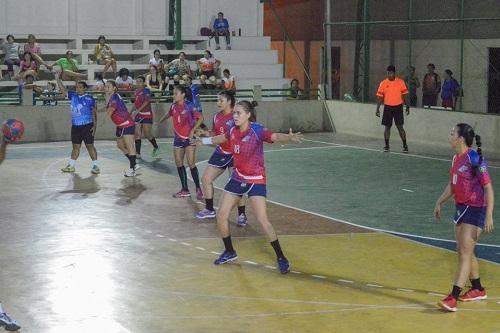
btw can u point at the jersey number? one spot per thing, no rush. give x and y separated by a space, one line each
455 178
236 149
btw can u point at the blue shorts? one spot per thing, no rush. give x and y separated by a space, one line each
181 143
125 131
141 120
475 216
238 188
220 160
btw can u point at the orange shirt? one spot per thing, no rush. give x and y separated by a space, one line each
392 91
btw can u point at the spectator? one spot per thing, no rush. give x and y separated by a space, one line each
221 28
11 50
36 51
431 86
392 92
208 67
179 68
157 61
50 95
104 55
450 91
413 83
228 83
69 67
27 66
154 81
294 92
99 83
124 81
29 84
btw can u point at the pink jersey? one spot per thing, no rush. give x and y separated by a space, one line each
141 96
221 125
184 117
24 66
120 116
36 49
248 152
468 178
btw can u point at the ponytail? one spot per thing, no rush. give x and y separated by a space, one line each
467 132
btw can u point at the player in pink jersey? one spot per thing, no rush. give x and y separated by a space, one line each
221 158
144 117
246 140
470 185
125 126
186 120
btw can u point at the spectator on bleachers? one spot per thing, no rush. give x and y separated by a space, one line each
11 50
413 83
294 92
27 67
221 28
157 61
179 68
228 83
431 86
99 82
29 84
104 55
69 68
36 51
124 81
208 67
154 81
50 95
450 91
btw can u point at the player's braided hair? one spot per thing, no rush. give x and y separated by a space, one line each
467 132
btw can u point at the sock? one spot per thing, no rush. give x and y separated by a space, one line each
476 284
241 210
404 143
153 142
183 176
228 244
94 163
386 142
209 204
196 177
456 291
72 162
1 308
277 248
138 146
132 161
127 156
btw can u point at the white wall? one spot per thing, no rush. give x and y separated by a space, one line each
123 17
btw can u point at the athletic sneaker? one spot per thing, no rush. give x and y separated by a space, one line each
130 173
155 153
68 168
449 303
8 323
206 214
242 220
226 257
386 149
284 265
95 170
405 149
182 194
473 295
137 167
199 194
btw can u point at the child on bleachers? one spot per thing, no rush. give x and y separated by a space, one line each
27 67
36 51
104 55
208 67
124 81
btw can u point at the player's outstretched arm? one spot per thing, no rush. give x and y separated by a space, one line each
287 138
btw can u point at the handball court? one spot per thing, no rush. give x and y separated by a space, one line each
83 253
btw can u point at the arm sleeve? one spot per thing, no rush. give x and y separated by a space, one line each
265 134
226 24
483 174
381 90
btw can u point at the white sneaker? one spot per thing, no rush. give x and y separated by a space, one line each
137 166
130 173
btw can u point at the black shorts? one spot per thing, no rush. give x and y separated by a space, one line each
82 133
208 74
393 112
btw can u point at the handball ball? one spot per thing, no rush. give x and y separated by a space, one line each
13 129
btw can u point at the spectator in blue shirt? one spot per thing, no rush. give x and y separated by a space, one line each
221 28
450 91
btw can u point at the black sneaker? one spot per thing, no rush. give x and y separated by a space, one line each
386 149
405 149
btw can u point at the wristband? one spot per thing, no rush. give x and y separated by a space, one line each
207 141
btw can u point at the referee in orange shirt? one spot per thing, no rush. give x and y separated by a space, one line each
392 92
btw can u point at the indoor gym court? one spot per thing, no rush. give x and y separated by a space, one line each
108 254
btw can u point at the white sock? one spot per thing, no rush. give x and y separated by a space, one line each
94 163
1 309
72 162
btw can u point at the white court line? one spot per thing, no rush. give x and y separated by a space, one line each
318 276
270 267
158 235
251 262
217 253
68 145
374 285
406 290
172 240
295 272
406 190
200 248
394 153
436 294
345 281
185 244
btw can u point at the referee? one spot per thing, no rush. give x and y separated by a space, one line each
392 92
